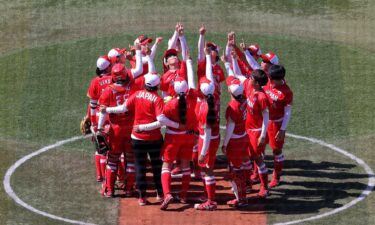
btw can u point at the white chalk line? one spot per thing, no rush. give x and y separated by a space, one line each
9 190
364 194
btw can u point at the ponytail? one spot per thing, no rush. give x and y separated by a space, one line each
182 107
238 98
211 114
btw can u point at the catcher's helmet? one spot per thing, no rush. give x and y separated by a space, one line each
119 73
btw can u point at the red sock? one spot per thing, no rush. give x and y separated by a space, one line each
97 165
246 170
166 180
210 187
185 181
110 177
103 162
130 176
278 164
263 175
196 167
121 169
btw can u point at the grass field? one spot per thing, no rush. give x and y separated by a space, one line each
48 51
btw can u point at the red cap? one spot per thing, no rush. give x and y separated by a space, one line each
170 51
143 40
270 57
254 49
213 46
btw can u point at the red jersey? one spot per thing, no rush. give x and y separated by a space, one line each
278 98
168 78
202 119
97 86
218 75
171 111
236 111
147 106
257 102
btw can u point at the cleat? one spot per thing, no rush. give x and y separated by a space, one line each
275 180
237 203
168 199
263 192
142 201
208 206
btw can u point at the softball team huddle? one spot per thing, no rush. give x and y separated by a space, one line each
126 107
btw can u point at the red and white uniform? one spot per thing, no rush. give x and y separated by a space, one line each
147 106
179 143
279 97
238 142
215 134
257 102
168 78
122 123
97 86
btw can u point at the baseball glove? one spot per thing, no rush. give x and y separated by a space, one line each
101 143
85 125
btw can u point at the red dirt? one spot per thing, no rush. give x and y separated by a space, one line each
130 213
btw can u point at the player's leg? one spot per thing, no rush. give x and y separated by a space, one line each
278 155
140 156
154 149
130 169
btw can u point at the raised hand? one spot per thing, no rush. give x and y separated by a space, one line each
158 40
202 30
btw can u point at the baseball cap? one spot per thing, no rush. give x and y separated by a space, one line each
169 52
207 87
235 87
270 57
103 62
254 49
213 46
114 52
152 80
180 85
142 39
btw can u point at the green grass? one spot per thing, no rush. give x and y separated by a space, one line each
49 50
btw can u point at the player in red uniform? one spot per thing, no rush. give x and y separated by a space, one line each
209 136
179 143
281 99
97 85
146 137
120 125
210 51
236 142
144 41
257 121
173 67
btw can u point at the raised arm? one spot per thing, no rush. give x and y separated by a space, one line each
190 74
172 42
209 73
138 70
252 62
201 46
158 40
